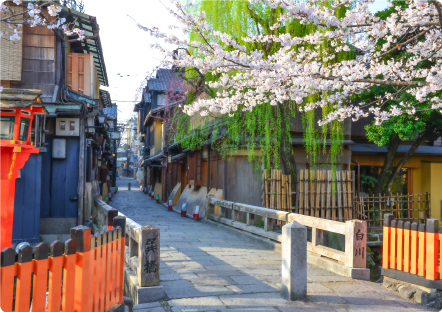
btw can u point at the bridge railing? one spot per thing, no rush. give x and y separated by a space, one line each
103 213
261 221
83 274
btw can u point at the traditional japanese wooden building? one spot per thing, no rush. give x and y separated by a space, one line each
56 186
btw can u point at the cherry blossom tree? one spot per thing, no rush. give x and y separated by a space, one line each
32 14
300 69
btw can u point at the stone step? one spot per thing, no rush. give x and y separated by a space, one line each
50 238
143 306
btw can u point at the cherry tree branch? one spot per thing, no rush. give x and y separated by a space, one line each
24 12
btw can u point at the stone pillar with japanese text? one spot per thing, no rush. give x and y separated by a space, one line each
149 256
356 240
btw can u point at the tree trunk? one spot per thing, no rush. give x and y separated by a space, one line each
402 162
285 146
388 165
287 158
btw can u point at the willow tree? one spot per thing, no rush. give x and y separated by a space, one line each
266 126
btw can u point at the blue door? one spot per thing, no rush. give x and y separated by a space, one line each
60 181
27 202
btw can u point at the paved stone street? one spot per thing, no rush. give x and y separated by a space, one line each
208 268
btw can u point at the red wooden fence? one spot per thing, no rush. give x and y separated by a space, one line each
87 276
412 248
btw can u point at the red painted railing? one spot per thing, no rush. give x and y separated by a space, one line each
412 248
84 274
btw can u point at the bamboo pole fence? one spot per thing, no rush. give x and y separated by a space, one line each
317 193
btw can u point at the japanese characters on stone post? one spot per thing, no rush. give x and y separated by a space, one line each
149 256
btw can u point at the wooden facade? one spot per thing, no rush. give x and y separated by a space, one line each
51 187
39 62
82 74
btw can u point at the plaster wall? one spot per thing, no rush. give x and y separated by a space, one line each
435 191
428 178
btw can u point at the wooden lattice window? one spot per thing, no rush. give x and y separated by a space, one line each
10 50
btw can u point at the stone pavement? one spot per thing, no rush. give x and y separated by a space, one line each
207 268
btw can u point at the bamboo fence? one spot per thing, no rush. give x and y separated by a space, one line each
317 194
277 190
405 207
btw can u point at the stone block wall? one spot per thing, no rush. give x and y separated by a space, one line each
375 236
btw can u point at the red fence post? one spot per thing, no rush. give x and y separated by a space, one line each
70 260
108 246
393 244
83 270
113 267
41 266
432 253
414 241
8 272
116 289
386 241
97 271
421 258
407 246
103 270
55 275
120 221
24 273
400 246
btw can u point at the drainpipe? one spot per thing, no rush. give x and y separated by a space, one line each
64 49
85 222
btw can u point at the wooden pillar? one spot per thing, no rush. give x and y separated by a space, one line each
81 176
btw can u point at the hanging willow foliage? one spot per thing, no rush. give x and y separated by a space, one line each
266 127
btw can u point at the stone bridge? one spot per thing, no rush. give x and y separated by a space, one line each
210 268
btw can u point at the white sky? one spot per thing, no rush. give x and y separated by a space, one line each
126 48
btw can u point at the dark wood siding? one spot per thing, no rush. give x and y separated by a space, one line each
216 170
244 181
204 165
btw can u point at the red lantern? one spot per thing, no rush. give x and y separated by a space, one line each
17 112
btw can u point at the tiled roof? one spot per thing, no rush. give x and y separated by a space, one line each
164 74
111 111
160 82
373 148
156 84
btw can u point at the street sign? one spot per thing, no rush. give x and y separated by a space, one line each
114 135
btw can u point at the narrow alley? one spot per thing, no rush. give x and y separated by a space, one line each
207 268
